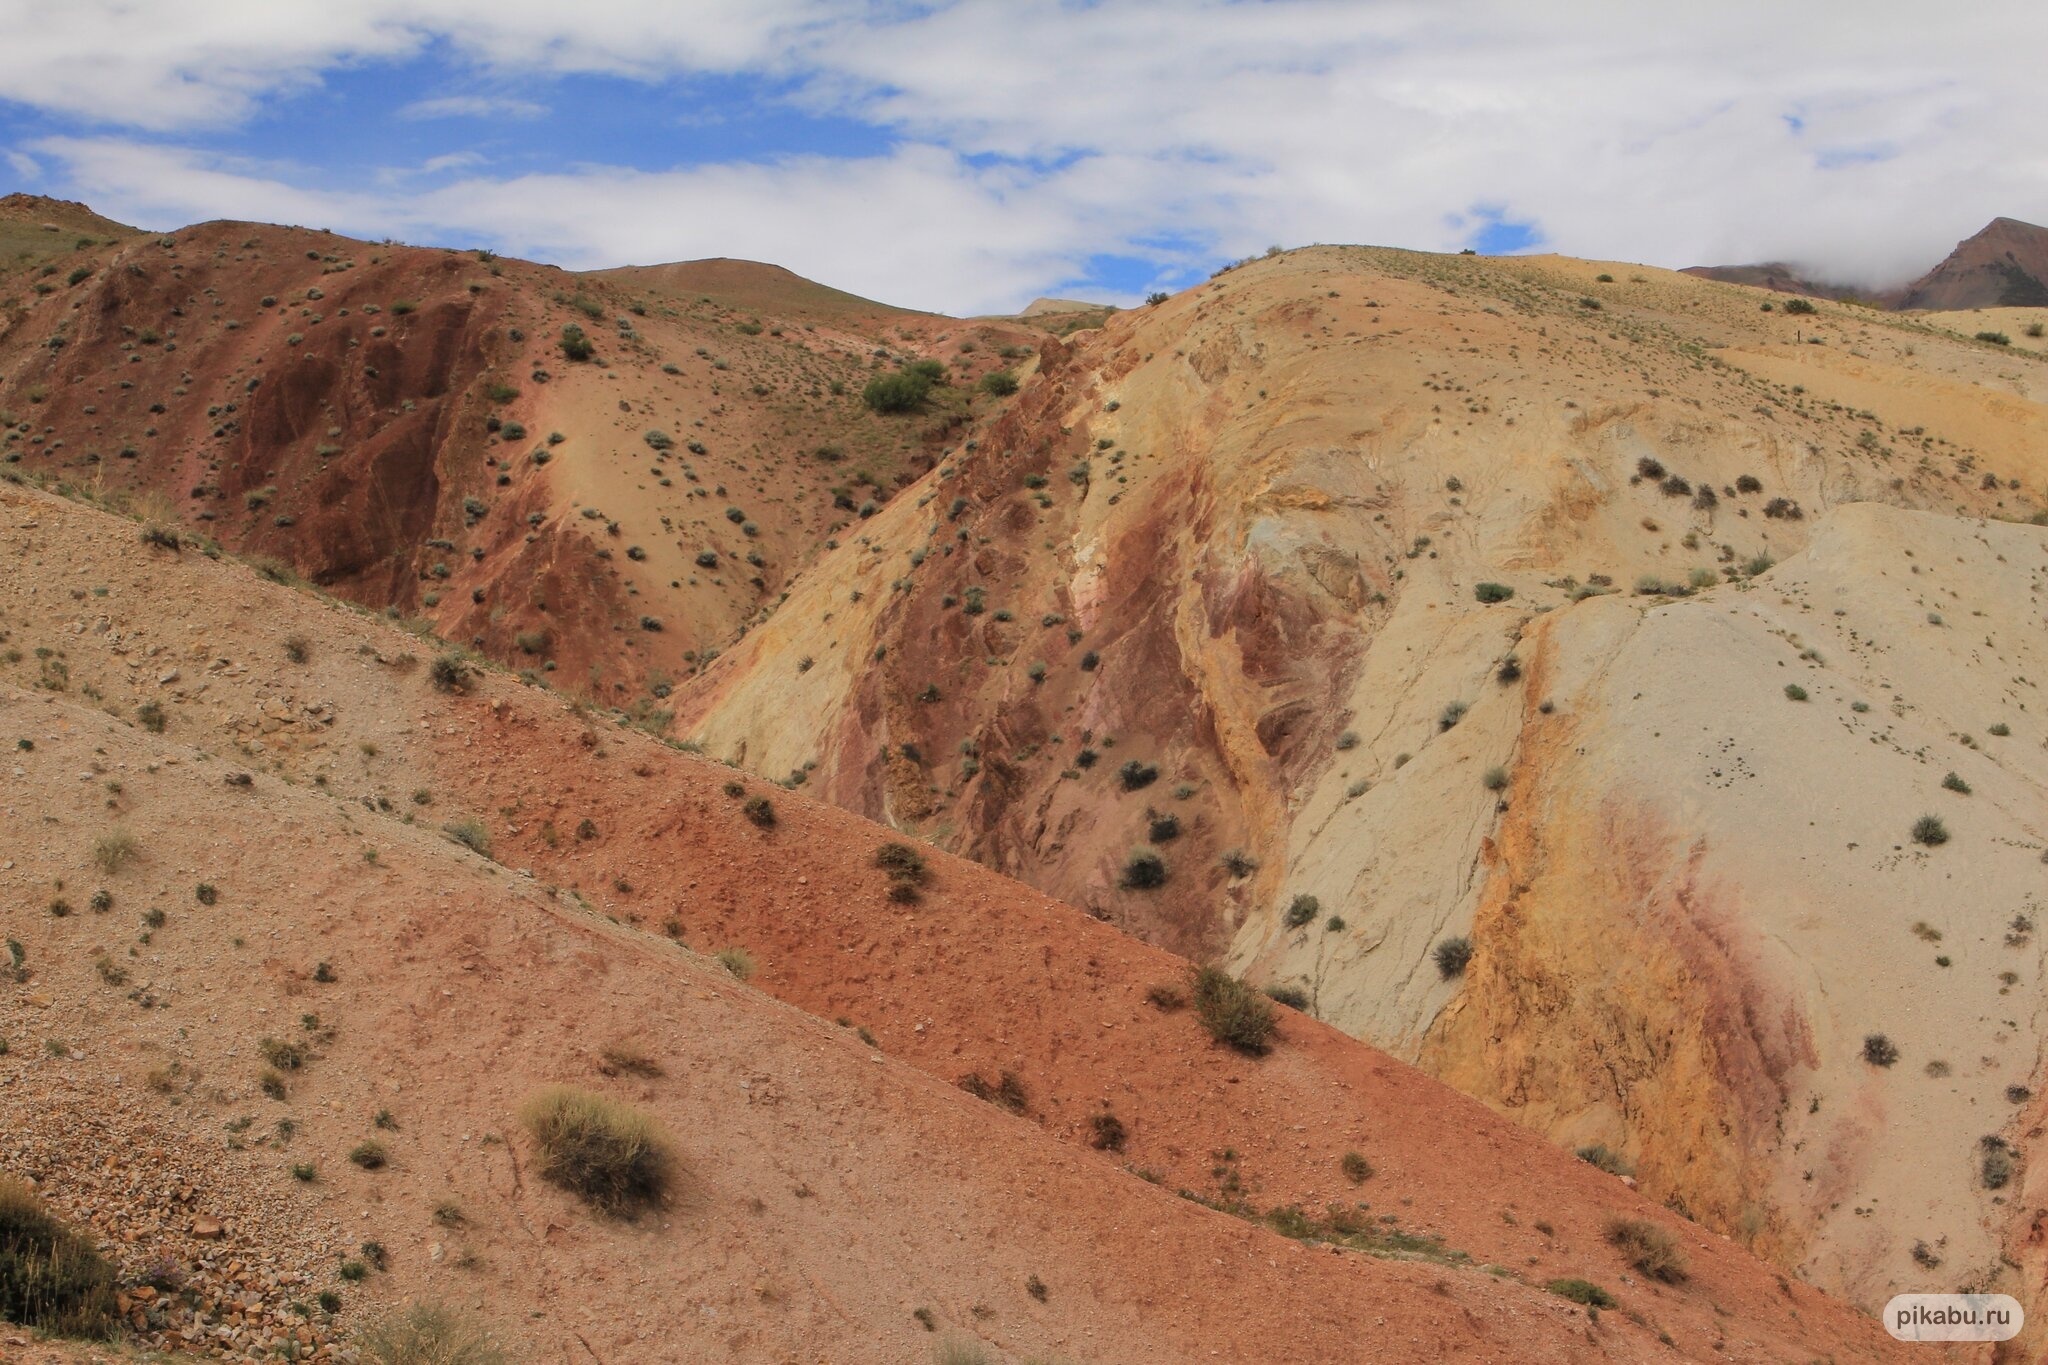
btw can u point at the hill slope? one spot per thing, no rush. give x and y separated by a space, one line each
406 427
1239 580
454 984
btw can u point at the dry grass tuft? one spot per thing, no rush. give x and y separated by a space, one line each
611 1155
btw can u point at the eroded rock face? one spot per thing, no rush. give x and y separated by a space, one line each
1245 532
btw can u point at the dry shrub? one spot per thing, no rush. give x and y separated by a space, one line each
427 1334
611 1155
1648 1248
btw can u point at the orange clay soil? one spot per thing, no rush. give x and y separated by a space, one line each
884 1187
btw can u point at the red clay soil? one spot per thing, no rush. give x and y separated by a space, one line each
981 977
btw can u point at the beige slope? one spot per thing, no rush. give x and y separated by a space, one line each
1296 478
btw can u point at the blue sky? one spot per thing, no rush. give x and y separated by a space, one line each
967 155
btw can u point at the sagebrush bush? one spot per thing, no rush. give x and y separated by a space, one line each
613 1157
51 1278
1232 1011
1648 1248
1929 830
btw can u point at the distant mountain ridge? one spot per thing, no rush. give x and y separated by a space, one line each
2003 266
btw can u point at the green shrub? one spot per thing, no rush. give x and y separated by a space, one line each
575 345
1493 592
51 1278
1581 1291
1606 1158
1452 956
1995 338
1794 692
1356 1168
1995 1164
760 810
1797 306
902 862
1294 997
1929 830
1495 779
610 1155
1648 1248
426 1334
1232 1011
1879 1050
1144 870
1301 910
999 383
902 391
1954 782
371 1156
448 673
737 961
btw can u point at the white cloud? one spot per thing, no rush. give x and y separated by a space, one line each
473 107
24 166
1035 132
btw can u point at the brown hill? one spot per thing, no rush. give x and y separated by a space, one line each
2003 266
753 286
833 1173
42 238
405 427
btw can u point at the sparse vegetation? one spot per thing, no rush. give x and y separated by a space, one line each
610 1155
1930 831
1649 1248
1232 1011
